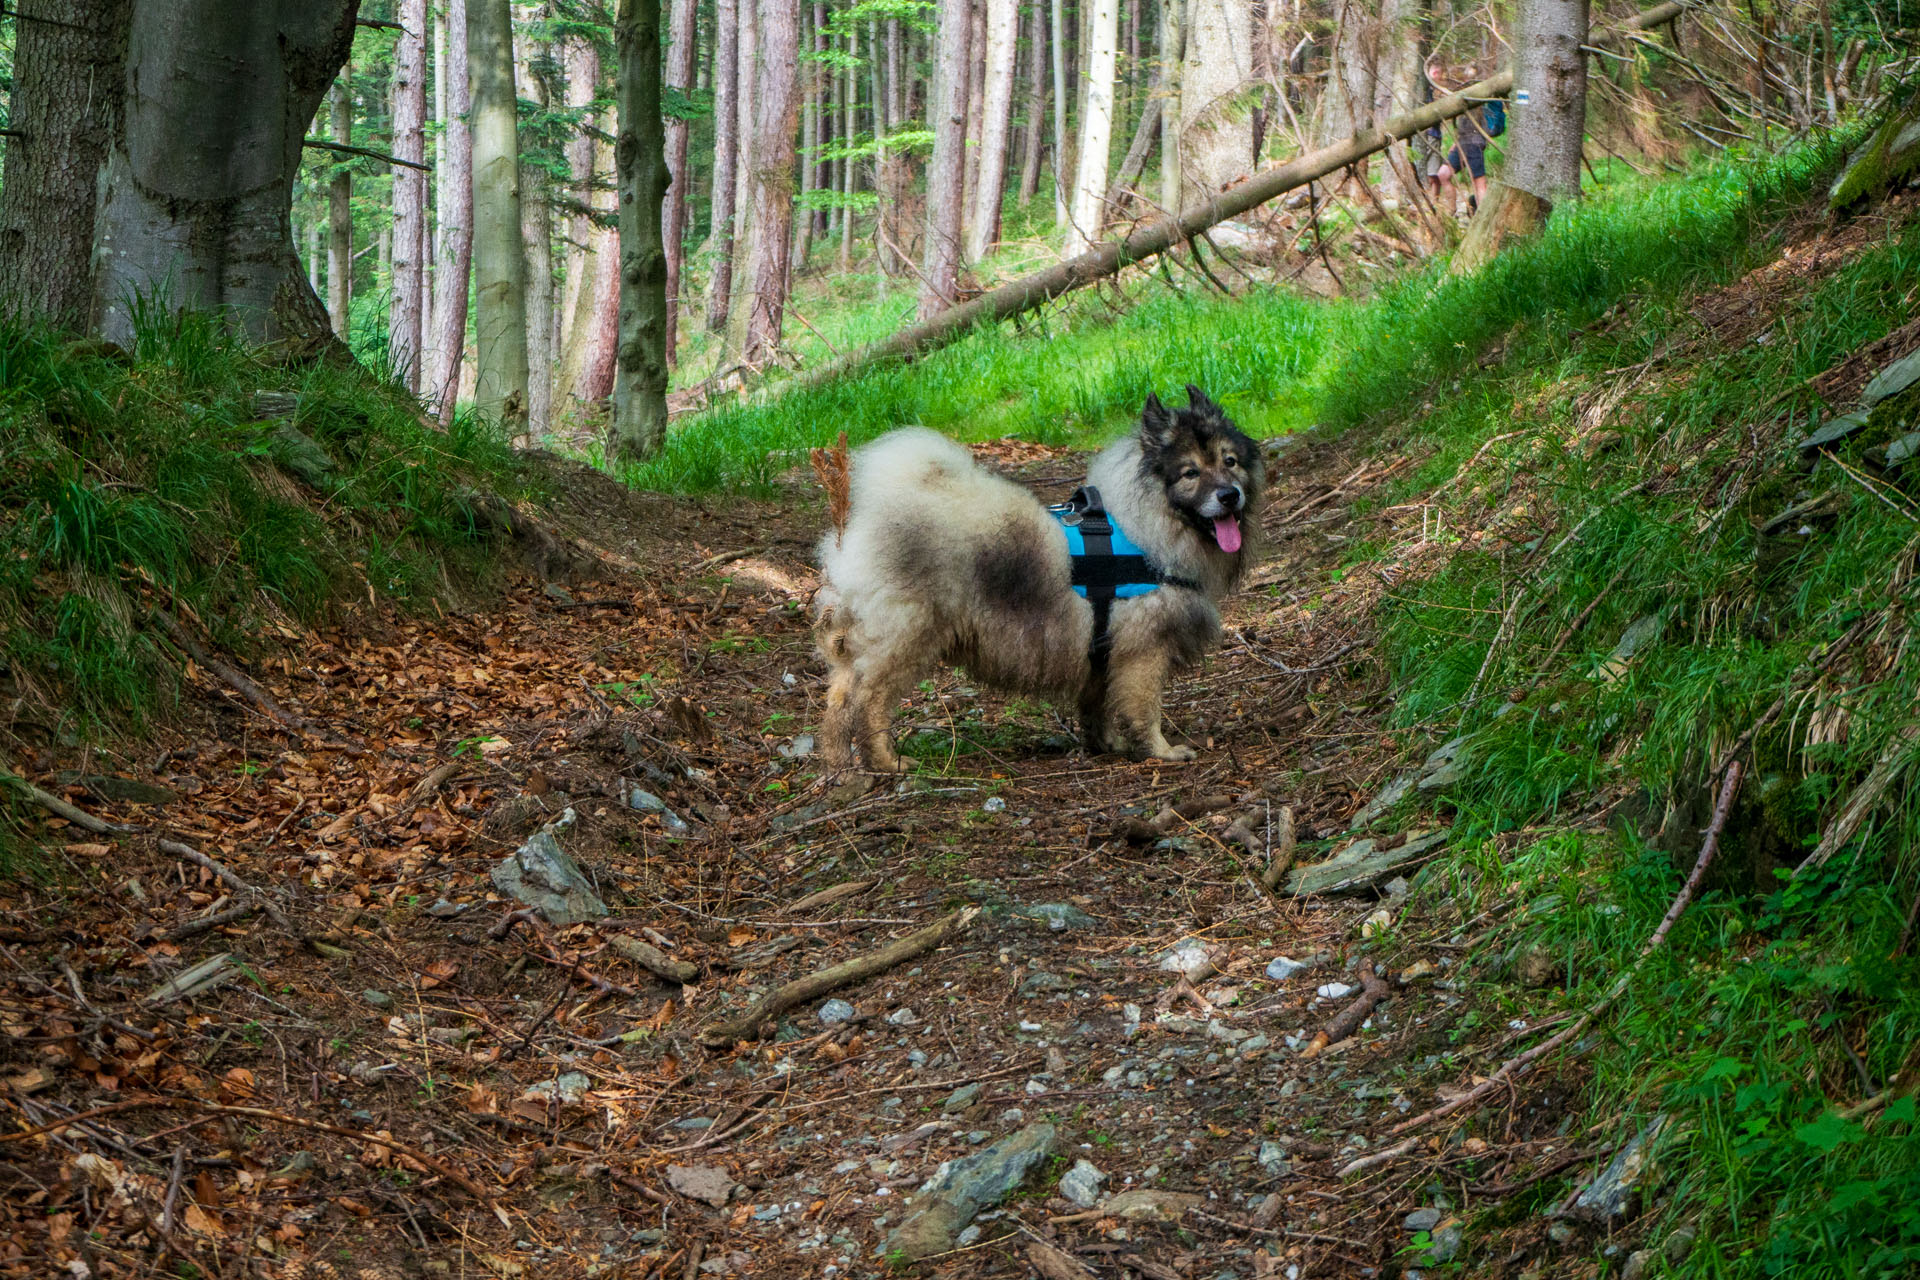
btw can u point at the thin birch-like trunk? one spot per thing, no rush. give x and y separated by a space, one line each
1058 40
946 172
499 256
1096 129
682 56
340 208
456 218
726 156
1003 31
1036 105
406 318
778 111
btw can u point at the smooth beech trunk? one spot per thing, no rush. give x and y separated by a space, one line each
1058 42
499 257
746 89
946 172
536 233
455 257
405 319
1096 129
582 64
726 80
1036 104
340 208
194 201
640 379
1173 61
681 57
778 113
1216 129
1003 30
53 167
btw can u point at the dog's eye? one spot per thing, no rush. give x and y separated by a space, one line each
1231 461
1190 473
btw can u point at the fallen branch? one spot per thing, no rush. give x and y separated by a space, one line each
1521 1063
1865 799
747 1025
653 959
1281 860
232 676
232 882
60 808
1374 989
1053 1264
1374 1160
830 894
205 924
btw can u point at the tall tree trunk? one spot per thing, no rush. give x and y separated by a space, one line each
499 257
599 351
582 64
1036 104
1216 132
726 154
946 172
877 112
850 94
1003 32
587 352
61 67
315 256
1544 156
681 58
1058 41
340 209
1173 65
893 177
404 318
746 96
456 219
536 233
778 111
976 105
194 203
1096 129
640 383
809 135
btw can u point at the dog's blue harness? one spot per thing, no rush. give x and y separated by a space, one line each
1107 565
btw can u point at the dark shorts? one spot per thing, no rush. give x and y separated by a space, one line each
1476 160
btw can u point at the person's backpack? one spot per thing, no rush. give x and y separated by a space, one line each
1495 114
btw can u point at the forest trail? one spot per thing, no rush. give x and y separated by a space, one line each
544 1068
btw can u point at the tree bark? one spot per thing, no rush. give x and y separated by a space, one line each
455 257
582 65
1544 158
1216 132
726 143
813 18
640 382
499 257
195 198
680 64
1003 31
536 234
745 92
405 317
1507 214
1057 16
51 181
894 173
1096 129
1173 60
850 97
1036 104
778 111
1135 161
340 209
976 104
946 172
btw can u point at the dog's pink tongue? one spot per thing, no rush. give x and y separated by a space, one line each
1226 532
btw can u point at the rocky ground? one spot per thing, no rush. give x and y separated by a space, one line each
285 1022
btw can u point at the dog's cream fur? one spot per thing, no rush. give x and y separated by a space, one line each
943 562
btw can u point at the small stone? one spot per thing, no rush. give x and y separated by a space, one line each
1417 970
1377 923
1189 957
706 1183
847 1166
445 910
1680 1244
995 804
903 1017
1422 1220
1282 968
1395 889
1636 1265
977 1136
1081 1184
1536 967
1560 1233
969 1236
836 1011
1057 916
1447 1240
541 875
1333 990
1273 1158
1254 1044
570 1087
1040 982
962 1098
378 999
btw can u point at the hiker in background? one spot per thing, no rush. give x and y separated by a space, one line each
1473 131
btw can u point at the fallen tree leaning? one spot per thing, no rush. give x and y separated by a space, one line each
1111 256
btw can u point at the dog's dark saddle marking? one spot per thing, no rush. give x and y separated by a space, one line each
1107 566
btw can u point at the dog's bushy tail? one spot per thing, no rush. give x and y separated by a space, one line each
831 466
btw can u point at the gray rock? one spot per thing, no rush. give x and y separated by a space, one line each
647 802
442 909
569 1087
1189 957
1144 1204
1560 1233
1833 431
1615 1194
1640 633
1362 865
1893 456
701 1182
962 1188
1282 968
798 749
1273 1157
541 875
902 1017
1892 380
299 455
1081 1184
1042 982
962 1098
836 1011
1058 916
1390 795
1637 1263
1422 1220
378 999
1447 1239
1680 1244
1446 766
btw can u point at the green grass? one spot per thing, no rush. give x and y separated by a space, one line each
147 479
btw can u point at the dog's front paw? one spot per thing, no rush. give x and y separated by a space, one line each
1167 751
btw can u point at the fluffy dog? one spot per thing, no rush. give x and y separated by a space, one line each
943 562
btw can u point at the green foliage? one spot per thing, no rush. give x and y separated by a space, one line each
151 481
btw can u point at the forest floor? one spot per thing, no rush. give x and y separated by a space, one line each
684 665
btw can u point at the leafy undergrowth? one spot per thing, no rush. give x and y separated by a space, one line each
1617 612
195 477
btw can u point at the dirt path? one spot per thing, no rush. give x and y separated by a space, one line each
565 1081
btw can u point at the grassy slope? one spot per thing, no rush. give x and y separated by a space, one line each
1601 406
148 478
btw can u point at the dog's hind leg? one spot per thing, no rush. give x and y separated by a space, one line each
1134 691
883 679
836 726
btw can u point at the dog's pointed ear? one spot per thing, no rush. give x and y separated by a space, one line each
1156 422
1198 401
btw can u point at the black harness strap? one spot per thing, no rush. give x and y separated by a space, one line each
1102 573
